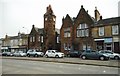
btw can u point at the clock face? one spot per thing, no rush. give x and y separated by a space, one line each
54 19
45 19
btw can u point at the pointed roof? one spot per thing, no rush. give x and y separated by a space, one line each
67 21
68 17
85 13
39 30
49 10
36 29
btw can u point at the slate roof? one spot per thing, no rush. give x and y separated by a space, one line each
39 30
115 20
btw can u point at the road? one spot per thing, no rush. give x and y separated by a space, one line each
10 66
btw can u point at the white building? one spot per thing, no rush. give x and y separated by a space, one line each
14 43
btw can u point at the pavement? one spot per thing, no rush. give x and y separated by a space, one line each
108 63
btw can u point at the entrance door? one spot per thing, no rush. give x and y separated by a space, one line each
100 45
116 47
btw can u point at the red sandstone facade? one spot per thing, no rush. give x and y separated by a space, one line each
85 32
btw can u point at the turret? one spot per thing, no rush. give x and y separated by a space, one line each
49 28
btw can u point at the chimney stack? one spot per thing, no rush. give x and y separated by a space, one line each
100 17
97 14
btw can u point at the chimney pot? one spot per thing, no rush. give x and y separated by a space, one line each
87 11
33 25
81 6
100 17
95 8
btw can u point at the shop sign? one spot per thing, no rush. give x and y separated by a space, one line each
4 47
107 40
98 39
115 39
14 47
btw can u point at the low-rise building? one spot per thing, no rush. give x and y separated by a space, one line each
85 32
76 32
35 38
106 34
15 43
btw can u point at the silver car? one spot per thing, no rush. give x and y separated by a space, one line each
19 53
35 53
111 54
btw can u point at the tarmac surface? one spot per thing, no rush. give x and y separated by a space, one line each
108 63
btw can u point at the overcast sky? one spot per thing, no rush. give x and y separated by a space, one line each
16 14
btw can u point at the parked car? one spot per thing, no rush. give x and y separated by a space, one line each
19 53
0 54
54 53
7 54
74 53
35 53
90 54
112 55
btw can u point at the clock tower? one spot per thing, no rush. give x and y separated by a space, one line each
49 29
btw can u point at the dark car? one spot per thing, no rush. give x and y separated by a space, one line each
74 53
90 54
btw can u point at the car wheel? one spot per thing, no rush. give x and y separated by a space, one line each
116 57
57 56
46 56
83 57
68 55
102 58
28 55
36 55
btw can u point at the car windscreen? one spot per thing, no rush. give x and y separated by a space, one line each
37 50
56 51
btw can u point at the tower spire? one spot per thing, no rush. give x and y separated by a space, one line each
49 28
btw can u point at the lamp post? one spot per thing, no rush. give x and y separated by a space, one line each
26 38
26 29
